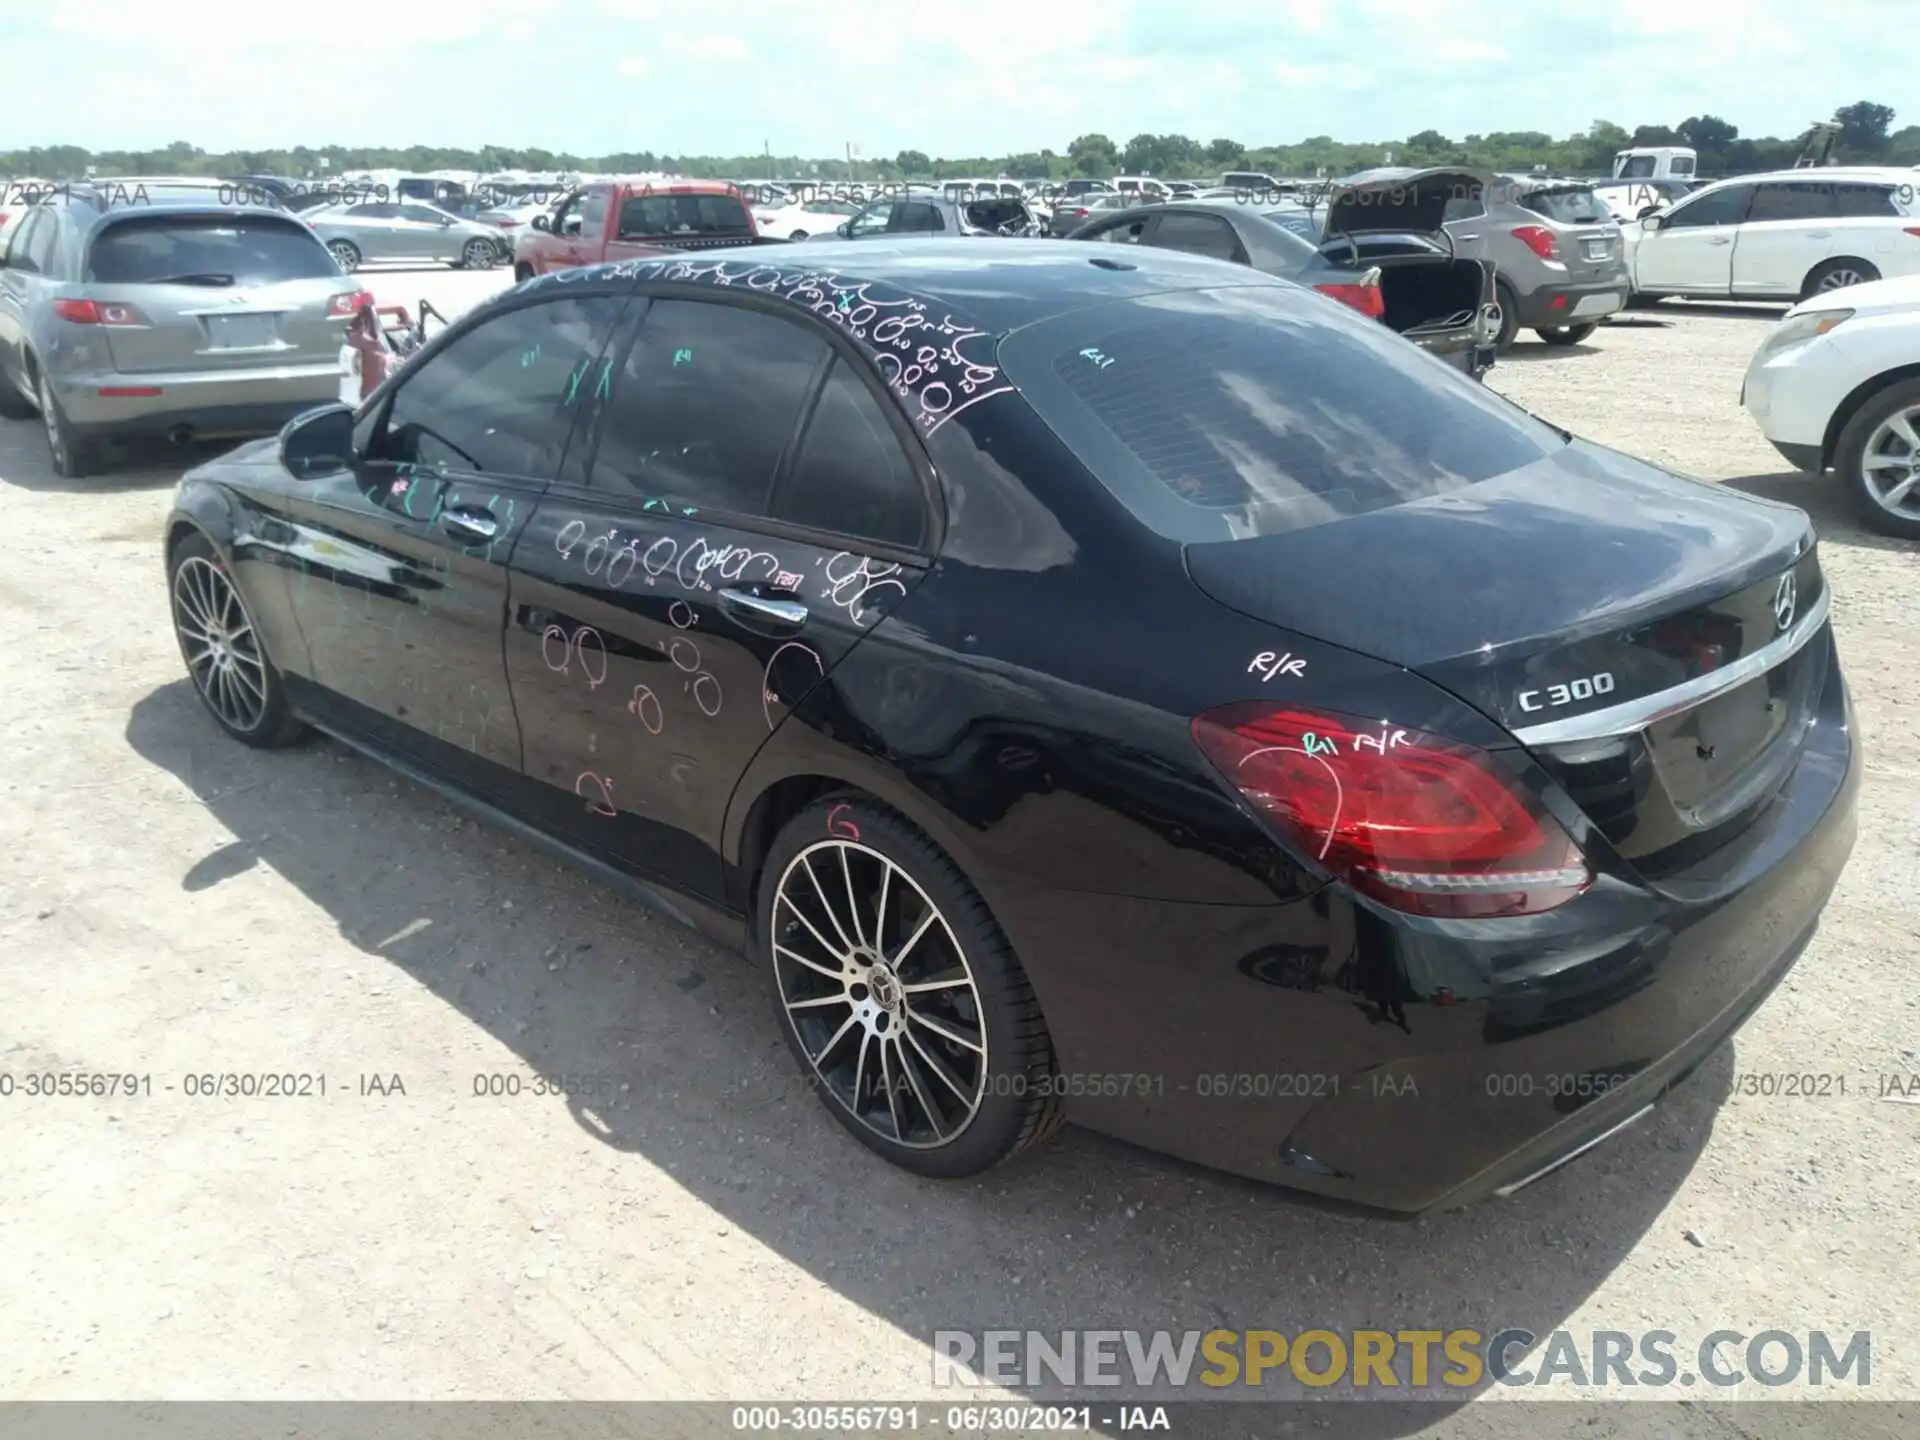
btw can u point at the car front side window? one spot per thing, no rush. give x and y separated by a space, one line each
1716 207
501 398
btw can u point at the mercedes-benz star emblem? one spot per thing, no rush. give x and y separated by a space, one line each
1784 597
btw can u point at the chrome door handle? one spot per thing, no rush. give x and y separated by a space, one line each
786 612
1718 240
1466 237
470 524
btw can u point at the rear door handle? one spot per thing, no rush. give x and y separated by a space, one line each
1719 240
466 524
1466 237
1819 234
789 613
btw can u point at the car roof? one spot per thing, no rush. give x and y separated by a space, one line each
992 284
1873 174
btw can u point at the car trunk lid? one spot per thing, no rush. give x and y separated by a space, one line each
220 291
1588 238
1658 645
1414 202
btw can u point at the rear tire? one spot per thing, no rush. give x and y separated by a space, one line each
917 968
1567 334
476 254
1509 318
1873 434
1837 274
226 658
345 254
74 455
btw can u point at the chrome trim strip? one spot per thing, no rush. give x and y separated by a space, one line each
1634 715
1612 1130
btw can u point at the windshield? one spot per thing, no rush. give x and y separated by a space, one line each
1253 410
252 250
1569 207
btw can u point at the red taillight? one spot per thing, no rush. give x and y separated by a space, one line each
346 306
96 312
1365 298
128 392
1540 242
1420 823
1910 229
506 224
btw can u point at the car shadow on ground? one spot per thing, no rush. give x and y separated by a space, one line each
577 980
25 464
1825 498
1721 309
1529 349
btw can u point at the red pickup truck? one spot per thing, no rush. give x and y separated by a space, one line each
634 219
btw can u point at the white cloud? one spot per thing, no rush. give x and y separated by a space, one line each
716 45
633 65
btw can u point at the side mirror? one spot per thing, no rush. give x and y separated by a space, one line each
1652 222
540 222
843 229
318 442
1647 211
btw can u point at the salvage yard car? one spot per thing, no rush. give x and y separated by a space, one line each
1786 235
1392 291
175 316
923 211
1052 664
631 219
382 231
1836 386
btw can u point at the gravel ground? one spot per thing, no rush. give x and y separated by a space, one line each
179 904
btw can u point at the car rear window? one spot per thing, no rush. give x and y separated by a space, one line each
252 249
684 215
1569 207
1252 410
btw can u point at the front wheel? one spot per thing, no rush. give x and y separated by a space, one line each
477 254
1566 334
905 1006
226 658
1878 457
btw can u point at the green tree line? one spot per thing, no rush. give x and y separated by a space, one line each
1866 137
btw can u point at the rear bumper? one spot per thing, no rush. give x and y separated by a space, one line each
212 403
1551 307
1406 1065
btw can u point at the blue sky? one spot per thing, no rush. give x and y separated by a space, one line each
960 77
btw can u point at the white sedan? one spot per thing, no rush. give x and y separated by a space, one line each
800 222
1836 386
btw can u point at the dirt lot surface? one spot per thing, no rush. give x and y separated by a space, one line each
175 904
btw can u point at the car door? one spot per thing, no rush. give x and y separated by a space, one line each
753 507
1690 251
871 222
400 584
1789 229
565 226
20 279
1119 230
1465 221
1195 233
426 234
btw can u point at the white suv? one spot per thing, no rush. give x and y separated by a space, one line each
1781 236
1836 385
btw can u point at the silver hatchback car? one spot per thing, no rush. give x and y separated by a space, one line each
165 313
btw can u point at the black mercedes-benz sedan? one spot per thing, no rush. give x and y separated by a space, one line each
1111 687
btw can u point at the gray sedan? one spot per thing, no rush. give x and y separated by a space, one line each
406 230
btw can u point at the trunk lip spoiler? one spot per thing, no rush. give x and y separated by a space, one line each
1630 717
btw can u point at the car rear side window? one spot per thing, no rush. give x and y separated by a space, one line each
1196 235
851 475
501 398
704 404
1792 200
1861 201
254 250
682 215
916 217
1251 410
